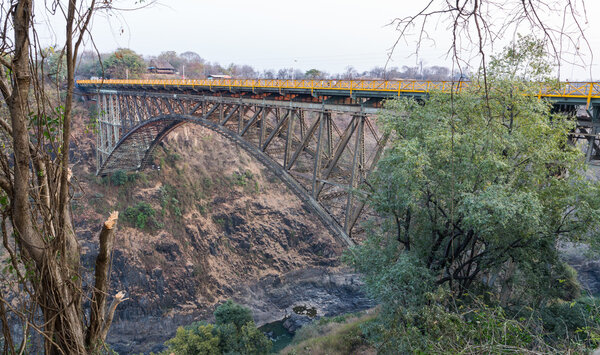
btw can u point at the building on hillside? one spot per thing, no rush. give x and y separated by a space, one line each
218 76
161 67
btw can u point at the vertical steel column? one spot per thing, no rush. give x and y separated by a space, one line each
329 131
302 123
317 167
263 126
116 118
109 116
348 216
593 132
288 141
129 116
118 114
138 117
361 158
99 139
361 204
240 118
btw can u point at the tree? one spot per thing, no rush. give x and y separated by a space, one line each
313 74
474 26
39 242
476 191
241 71
268 74
284 73
350 73
54 64
436 73
89 64
124 63
172 58
192 57
232 313
234 333
198 339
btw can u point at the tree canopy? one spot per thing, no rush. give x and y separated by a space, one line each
477 191
124 62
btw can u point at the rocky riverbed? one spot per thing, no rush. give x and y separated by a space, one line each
329 291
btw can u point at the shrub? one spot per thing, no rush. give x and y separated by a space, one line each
199 339
141 216
234 333
120 178
231 312
242 178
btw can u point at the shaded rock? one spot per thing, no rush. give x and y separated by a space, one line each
296 321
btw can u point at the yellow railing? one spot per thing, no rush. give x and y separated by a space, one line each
586 90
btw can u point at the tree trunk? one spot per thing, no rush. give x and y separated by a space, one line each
38 190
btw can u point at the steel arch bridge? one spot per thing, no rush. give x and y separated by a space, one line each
317 136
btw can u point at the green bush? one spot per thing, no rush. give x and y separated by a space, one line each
199 339
234 333
232 313
141 216
578 320
474 196
120 178
241 178
169 200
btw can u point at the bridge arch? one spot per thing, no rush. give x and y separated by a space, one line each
128 153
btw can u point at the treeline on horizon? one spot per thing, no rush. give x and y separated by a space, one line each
126 63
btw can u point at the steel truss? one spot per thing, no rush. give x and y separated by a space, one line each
324 153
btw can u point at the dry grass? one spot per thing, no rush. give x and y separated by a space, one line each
332 338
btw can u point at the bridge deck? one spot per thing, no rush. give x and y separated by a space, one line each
316 135
576 93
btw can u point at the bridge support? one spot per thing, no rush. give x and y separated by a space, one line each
323 152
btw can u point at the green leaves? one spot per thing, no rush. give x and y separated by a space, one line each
234 333
50 126
475 192
3 199
199 340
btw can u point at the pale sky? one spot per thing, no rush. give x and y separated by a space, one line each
327 34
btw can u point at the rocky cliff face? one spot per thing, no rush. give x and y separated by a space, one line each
206 224
587 267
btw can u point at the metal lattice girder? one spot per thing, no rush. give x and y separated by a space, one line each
312 148
570 93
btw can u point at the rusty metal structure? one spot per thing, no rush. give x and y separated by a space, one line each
317 136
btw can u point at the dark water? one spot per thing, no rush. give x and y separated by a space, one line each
278 334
